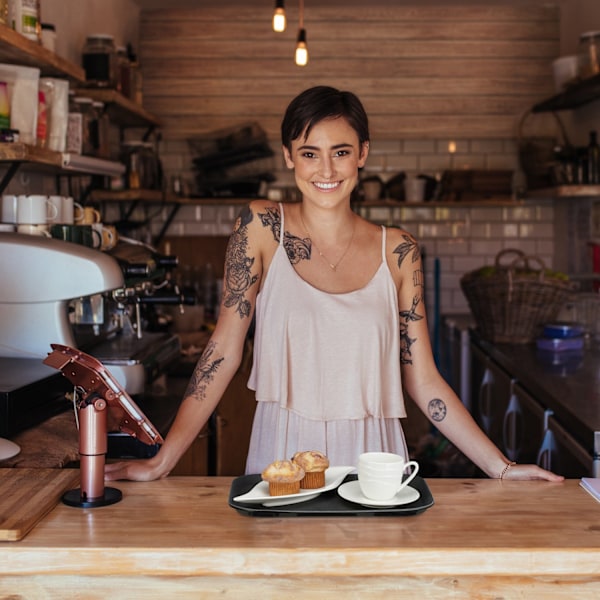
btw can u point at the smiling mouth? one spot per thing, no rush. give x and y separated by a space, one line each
326 186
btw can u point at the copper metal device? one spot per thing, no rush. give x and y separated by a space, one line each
97 393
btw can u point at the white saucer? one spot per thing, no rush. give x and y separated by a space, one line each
259 494
351 491
8 449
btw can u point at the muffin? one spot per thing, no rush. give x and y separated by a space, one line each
314 465
283 477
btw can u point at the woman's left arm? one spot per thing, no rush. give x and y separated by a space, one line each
422 380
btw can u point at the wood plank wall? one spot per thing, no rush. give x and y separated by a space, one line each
422 71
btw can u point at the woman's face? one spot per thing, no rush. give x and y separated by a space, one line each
326 163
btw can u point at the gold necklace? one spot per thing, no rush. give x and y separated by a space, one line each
332 266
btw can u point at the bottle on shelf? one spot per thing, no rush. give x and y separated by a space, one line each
593 159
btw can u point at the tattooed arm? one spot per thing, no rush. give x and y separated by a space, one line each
222 356
420 376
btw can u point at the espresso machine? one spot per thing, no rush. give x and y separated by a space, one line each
57 292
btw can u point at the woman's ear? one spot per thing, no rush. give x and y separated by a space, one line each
287 157
364 153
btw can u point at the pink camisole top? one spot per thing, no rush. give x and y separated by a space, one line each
327 356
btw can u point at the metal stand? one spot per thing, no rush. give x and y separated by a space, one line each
93 445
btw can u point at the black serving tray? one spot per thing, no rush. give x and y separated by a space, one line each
327 504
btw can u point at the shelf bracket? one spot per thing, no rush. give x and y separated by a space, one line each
10 173
166 224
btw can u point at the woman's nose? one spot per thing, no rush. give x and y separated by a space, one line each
327 167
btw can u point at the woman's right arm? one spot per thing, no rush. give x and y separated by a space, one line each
220 359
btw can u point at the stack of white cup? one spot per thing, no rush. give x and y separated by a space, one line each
34 214
381 475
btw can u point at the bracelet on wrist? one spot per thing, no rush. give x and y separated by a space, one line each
506 468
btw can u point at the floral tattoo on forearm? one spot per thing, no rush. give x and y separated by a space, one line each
204 373
409 247
296 248
238 267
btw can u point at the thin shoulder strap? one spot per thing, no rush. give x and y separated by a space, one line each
383 234
282 224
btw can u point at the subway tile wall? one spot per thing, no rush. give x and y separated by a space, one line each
455 238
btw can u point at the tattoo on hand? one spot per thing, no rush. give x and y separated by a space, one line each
238 267
203 373
296 248
437 409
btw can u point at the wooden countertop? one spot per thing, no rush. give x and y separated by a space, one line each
179 534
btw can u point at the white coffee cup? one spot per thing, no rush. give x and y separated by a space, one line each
33 229
57 203
381 475
71 210
34 210
9 208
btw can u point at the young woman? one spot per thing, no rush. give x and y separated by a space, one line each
340 318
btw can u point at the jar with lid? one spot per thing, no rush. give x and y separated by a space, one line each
589 43
100 61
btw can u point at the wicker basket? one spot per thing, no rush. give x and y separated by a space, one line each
511 301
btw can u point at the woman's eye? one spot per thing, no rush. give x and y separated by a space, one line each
308 154
342 153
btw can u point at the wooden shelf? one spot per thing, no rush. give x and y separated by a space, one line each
577 94
566 191
18 152
24 153
121 110
17 49
129 196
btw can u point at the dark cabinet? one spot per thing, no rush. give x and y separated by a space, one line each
524 429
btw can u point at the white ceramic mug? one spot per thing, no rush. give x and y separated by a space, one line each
34 210
70 210
380 474
33 229
9 208
57 203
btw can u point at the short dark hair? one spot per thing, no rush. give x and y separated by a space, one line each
323 102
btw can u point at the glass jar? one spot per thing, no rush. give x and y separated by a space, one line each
100 61
590 53
87 117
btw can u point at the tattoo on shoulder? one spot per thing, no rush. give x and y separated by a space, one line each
296 248
238 267
203 373
437 409
408 246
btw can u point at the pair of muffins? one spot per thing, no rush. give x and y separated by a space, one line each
305 470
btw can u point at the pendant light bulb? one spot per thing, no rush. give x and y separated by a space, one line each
301 49
279 20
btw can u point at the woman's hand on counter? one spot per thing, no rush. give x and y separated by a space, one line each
133 470
519 472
